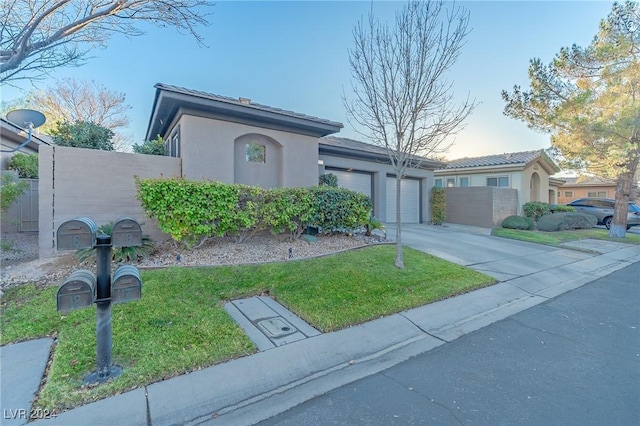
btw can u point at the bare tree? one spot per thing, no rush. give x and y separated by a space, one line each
71 100
39 35
401 97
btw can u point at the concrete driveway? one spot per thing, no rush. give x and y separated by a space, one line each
474 247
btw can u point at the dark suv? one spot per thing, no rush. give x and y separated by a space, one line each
602 209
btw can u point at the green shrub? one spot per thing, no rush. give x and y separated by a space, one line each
566 221
152 147
339 209
535 210
438 206
563 209
25 164
328 179
518 222
192 211
11 189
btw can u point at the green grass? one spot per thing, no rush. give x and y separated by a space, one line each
556 238
180 324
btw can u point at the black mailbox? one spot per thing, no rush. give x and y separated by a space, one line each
126 285
126 232
79 233
77 291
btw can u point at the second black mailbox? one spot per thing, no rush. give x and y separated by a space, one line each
126 232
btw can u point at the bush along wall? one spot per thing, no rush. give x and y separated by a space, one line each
193 211
438 206
535 210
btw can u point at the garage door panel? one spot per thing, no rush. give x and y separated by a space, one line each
409 199
359 182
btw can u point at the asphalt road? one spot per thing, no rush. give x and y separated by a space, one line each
574 360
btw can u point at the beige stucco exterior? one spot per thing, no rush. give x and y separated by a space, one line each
213 149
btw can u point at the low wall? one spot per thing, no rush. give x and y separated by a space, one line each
485 206
96 184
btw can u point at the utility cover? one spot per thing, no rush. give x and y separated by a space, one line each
276 327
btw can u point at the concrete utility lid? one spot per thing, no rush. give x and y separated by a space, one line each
267 323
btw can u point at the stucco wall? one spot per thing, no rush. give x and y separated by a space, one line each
480 206
207 151
96 184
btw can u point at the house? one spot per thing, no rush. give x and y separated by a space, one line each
528 172
482 191
22 216
241 141
586 186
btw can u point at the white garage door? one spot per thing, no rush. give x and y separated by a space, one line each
359 182
409 198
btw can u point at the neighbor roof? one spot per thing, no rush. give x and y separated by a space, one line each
586 180
17 135
506 159
170 99
355 149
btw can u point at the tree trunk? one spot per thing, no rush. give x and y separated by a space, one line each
623 190
399 255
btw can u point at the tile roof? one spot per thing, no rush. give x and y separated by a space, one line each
512 158
374 150
244 102
589 181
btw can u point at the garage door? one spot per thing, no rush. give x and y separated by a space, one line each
409 198
355 181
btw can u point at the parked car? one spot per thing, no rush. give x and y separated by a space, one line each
602 209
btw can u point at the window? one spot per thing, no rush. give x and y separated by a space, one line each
174 143
438 183
464 181
451 182
256 153
600 194
501 181
568 193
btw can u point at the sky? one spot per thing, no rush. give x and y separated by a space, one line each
294 55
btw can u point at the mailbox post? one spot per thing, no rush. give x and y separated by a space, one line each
83 288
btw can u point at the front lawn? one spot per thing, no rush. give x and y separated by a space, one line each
180 324
559 237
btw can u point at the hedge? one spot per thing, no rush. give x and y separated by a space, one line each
192 211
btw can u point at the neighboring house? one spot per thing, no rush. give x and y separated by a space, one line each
22 216
240 141
527 172
586 186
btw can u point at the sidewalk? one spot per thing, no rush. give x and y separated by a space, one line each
254 388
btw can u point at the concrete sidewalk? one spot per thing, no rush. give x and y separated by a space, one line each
254 388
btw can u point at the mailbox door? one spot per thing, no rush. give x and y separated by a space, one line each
79 233
126 285
126 232
77 291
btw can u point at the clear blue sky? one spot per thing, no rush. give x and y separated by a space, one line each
293 55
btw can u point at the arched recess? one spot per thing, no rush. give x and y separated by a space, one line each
257 161
534 187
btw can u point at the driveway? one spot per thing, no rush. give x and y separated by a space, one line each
474 247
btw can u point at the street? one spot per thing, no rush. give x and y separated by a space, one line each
574 360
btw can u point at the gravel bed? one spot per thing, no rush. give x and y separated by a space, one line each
21 264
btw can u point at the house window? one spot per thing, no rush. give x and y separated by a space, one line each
600 194
174 143
451 182
464 181
500 181
438 183
568 193
256 153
